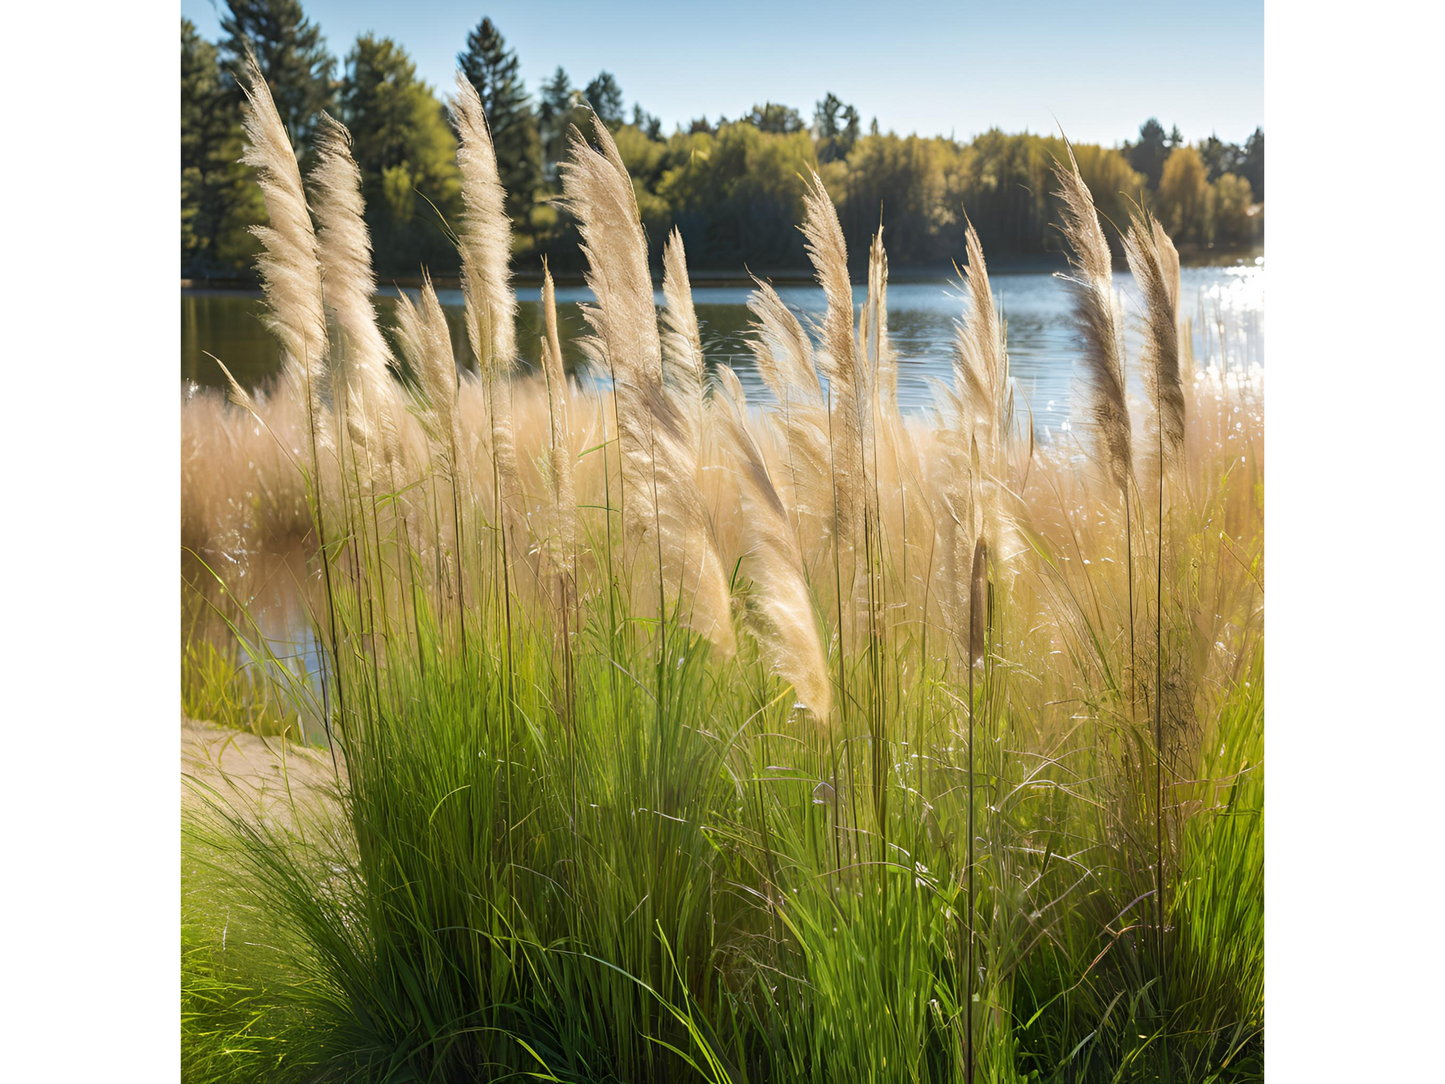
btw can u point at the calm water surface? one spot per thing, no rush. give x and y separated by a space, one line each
1226 304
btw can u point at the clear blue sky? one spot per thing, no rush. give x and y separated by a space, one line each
1096 67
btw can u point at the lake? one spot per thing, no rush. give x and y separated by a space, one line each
1226 304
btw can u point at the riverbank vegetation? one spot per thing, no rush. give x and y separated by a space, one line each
734 187
678 736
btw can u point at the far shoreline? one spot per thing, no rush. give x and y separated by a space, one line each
1193 256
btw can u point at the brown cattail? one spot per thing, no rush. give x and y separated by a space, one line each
978 604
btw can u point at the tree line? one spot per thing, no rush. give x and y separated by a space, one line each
734 187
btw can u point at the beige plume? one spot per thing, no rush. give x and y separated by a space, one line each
784 355
1154 263
683 367
983 399
841 362
1096 311
663 506
783 351
563 474
485 242
783 621
485 239
980 358
290 267
881 359
344 250
426 343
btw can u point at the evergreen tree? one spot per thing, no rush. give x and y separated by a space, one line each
493 69
1147 156
605 97
554 113
406 152
217 200
292 56
1251 168
1219 157
646 123
772 117
836 127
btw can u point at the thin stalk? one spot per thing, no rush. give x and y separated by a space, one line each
977 644
1159 763
326 577
1129 570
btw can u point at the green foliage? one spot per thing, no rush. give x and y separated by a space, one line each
734 195
1252 167
1219 157
775 118
407 155
560 107
605 97
1232 203
218 202
292 56
836 126
915 185
1183 196
1148 154
674 870
218 686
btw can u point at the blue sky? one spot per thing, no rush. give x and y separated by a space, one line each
1096 67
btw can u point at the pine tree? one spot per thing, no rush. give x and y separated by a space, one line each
1251 168
493 69
605 97
646 123
774 117
554 113
836 128
1147 156
406 153
217 202
292 55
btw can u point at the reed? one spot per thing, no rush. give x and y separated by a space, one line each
697 737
